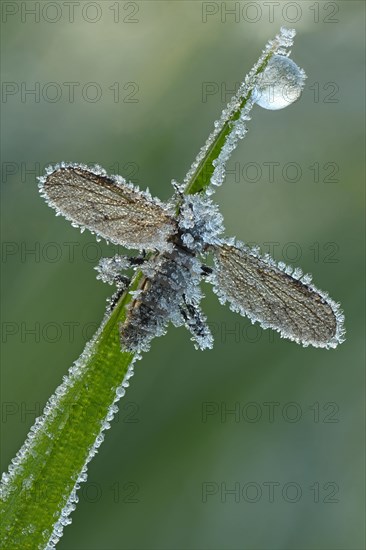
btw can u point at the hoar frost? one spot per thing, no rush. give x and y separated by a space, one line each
254 89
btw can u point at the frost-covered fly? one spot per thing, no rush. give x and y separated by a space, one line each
178 239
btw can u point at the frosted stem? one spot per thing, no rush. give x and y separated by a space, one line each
208 168
38 492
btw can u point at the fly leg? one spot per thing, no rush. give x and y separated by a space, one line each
195 322
109 271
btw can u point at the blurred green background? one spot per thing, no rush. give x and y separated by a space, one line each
178 470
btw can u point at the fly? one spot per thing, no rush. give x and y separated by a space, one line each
273 294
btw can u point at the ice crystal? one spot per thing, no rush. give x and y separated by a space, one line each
200 222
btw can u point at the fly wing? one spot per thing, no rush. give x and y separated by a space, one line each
277 296
107 206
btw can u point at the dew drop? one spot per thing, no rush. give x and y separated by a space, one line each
280 84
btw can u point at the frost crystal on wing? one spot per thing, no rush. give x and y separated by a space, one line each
107 205
279 298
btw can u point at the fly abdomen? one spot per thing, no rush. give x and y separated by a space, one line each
168 277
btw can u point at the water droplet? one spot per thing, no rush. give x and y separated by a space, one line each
280 84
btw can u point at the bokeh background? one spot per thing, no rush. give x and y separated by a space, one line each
179 469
